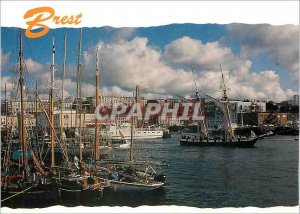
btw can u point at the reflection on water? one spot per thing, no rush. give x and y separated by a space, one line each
264 176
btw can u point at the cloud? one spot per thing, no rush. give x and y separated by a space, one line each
10 86
125 64
281 43
117 34
4 60
186 51
163 72
33 66
129 63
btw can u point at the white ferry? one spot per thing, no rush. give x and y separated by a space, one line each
123 132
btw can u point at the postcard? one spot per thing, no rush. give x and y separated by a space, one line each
149 106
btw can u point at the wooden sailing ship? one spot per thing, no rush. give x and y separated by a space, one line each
74 179
23 177
131 175
228 139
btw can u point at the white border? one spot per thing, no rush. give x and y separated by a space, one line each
154 13
139 14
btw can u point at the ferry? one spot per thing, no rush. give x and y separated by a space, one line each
123 132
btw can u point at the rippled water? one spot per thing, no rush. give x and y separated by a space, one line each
264 176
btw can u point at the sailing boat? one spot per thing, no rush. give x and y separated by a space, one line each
74 179
126 144
228 139
24 181
128 176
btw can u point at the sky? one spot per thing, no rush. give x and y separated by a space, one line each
260 62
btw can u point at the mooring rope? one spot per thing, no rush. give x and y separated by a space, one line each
17 194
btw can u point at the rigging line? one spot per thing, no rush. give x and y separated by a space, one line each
52 125
17 193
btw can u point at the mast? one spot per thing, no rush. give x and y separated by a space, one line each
62 88
96 104
52 106
131 140
78 95
225 101
6 128
36 110
131 131
200 125
23 131
80 118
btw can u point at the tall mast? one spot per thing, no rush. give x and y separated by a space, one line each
225 101
52 106
200 124
62 88
23 131
131 140
131 133
80 118
36 110
6 128
223 86
96 104
78 92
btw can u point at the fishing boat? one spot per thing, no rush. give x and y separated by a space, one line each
127 175
23 177
228 138
75 180
75 183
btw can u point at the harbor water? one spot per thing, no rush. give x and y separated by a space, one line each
212 177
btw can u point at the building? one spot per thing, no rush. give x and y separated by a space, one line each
169 121
296 100
110 100
214 115
270 118
14 107
69 118
3 121
12 121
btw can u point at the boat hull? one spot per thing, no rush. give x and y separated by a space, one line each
74 192
214 142
125 186
24 195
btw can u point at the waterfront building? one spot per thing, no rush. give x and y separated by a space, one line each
214 115
296 100
3 121
12 121
262 118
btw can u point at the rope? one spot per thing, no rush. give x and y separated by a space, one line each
16 194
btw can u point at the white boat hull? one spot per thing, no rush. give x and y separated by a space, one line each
125 186
117 133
